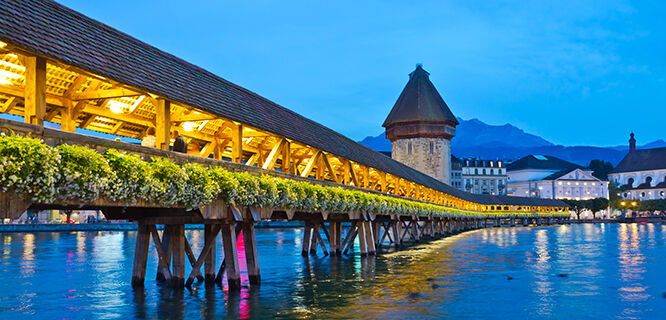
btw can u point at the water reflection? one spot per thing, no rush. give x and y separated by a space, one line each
595 271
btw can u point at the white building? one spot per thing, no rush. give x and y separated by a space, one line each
483 176
548 177
642 173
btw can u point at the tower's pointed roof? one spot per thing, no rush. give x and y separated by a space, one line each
419 101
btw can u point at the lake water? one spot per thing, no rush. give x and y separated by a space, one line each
590 271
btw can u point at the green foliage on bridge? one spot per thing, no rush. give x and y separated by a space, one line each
46 174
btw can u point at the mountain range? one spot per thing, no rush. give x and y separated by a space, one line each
474 138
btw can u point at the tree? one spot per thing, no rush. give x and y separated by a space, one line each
598 204
600 168
577 206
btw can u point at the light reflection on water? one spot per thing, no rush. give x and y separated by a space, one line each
570 271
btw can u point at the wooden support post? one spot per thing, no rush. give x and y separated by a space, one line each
140 255
320 241
192 259
162 123
351 236
237 143
333 240
203 256
375 233
306 238
338 237
251 256
166 245
231 256
35 90
178 254
209 262
362 238
396 232
369 237
68 118
162 265
313 241
415 230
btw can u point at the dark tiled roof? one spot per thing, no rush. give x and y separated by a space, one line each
542 162
419 100
59 33
643 159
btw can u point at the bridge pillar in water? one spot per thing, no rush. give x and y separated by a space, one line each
513 222
231 265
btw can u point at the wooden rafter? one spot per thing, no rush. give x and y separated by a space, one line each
105 94
311 164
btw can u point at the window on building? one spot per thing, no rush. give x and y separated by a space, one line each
409 148
648 179
432 147
484 171
630 182
476 171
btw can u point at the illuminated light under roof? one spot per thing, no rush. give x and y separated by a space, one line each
540 157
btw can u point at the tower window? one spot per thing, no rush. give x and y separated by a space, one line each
409 148
432 147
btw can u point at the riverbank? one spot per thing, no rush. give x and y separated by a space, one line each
119 226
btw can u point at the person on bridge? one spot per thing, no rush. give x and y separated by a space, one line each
149 140
179 142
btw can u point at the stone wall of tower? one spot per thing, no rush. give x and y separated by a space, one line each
434 161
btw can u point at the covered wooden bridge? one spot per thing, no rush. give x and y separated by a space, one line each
61 72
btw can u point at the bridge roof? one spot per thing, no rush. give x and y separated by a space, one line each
54 31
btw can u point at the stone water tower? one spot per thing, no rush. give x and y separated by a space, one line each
421 126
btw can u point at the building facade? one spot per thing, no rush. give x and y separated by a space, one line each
547 177
483 176
642 173
420 127
456 172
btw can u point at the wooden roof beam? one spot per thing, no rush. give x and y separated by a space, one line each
105 94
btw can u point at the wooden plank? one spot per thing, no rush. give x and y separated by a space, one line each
311 164
231 256
210 234
332 240
306 238
320 240
331 170
237 143
251 256
352 173
104 94
203 256
35 90
362 241
338 236
369 237
178 254
166 245
273 155
286 158
140 255
163 123
192 260
351 237
162 265
314 238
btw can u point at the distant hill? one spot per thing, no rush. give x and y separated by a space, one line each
474 138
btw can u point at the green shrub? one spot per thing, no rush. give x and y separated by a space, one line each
28 167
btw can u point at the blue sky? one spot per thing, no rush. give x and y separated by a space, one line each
574 72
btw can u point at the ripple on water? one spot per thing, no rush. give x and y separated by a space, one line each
566 272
